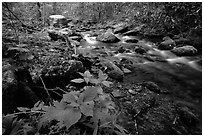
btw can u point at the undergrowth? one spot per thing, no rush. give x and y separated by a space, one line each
87 111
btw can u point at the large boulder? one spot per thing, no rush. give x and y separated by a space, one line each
184 50
108 37
58 20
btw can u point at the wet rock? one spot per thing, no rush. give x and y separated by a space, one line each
135 31
116 74
108 37
132 32
121 49
121 29
131 40
77 38
168 44
152 87
185 50
114 71
140 50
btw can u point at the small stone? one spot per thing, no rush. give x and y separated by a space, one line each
152 87
131 91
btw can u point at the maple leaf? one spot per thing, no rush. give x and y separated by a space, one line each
86 100
101 76
87 108
67 115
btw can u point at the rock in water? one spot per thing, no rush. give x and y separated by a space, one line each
108 37
115 72
152 87
135 31
131 40
140 50
185 51
168 44
121 29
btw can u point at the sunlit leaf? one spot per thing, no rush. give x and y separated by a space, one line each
101 76
88 95
23 109
94 81
87 108
65 114
106 83
86 80
87 74
100 90
78 80
69 98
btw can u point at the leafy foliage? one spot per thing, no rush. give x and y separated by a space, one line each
88 78
12 126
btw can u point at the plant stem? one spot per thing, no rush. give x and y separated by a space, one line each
49 98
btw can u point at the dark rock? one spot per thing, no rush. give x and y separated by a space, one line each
114 71
77 38
116 74
131 40
140 50
168 44
108 37
185 51
135 31
132 32
121 49
166 38
152 87
75 66
121 29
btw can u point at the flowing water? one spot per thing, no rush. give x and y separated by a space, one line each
181 76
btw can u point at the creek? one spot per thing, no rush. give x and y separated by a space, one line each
180 76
